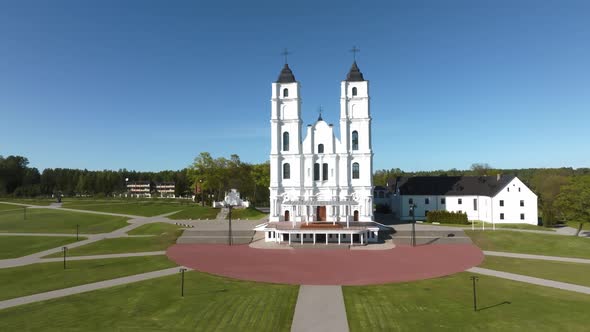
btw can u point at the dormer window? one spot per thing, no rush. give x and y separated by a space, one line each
354 91
285 92
320 148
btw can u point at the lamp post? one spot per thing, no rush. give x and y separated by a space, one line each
182 270
24 212
474 279
202 195
230 201
77 231
64 249
413 212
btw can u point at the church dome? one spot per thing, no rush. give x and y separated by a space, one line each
354 75
286 75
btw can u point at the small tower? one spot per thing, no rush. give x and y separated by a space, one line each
355 128
285 136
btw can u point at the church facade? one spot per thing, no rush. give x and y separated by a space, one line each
320 179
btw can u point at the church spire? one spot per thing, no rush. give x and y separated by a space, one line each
354 75
286 75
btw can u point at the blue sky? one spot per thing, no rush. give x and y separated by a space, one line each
148 85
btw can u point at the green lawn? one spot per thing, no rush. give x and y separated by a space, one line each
126 244
156 228
210 304
10 207
249 213
531 243
576 224
18 246
30 201
44 277
56 221
195 212
478 225
574 273
446 304
146 208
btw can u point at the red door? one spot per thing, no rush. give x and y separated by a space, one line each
321 213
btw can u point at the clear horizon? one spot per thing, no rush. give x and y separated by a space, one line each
145 86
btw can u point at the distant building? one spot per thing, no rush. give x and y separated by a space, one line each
498 199
139 189
165 189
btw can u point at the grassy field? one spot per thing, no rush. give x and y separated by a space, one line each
145 208
446 304
531 243
250 213
156 228
30 201
56 221
18 246
210 304
478 225
43 277
195 212
560 271
576 224
126 244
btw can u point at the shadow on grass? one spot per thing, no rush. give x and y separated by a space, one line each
494 305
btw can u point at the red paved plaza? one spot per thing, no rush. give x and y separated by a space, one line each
327 266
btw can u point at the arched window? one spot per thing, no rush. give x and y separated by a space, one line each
355 170
285 141
286 171
324 171
355 140
316 172
321 148
285 92
354 91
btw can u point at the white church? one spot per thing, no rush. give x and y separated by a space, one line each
321 187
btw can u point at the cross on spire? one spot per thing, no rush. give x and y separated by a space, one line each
285 53
320 110
354 51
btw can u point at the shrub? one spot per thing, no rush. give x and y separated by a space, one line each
447 217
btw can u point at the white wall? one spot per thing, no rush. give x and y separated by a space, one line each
512 194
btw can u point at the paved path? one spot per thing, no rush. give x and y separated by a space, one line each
540 257
532 280
86 288
81 258
320 308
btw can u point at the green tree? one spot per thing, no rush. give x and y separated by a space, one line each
574 200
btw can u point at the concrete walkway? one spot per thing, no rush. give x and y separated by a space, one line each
81 258
87 288
540 257
320 308
531 280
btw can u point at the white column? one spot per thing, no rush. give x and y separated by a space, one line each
313 238
362 236
301 237
351 237
326 238
289 238
338 238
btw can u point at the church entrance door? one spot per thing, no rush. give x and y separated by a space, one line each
287 215
321 213
356 215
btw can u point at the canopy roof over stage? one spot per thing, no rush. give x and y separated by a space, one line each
319 203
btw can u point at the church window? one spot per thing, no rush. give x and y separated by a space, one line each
355 170
324 171
501 216
354 91
355 140
286 171
442 201
475 204
521 202
501 202
285 141
321 148
522 216
427 201
316 172
460 201
285 92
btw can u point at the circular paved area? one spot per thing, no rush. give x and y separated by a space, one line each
328 266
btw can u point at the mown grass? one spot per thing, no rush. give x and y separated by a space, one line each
44 277
531 243
145 208
249 213
195 212
18 246
446 304
210 303
29 201
126 245
39 220
574 273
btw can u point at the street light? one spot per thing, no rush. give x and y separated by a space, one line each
64 249
474 279
230 201
201 189
413 212
182 270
